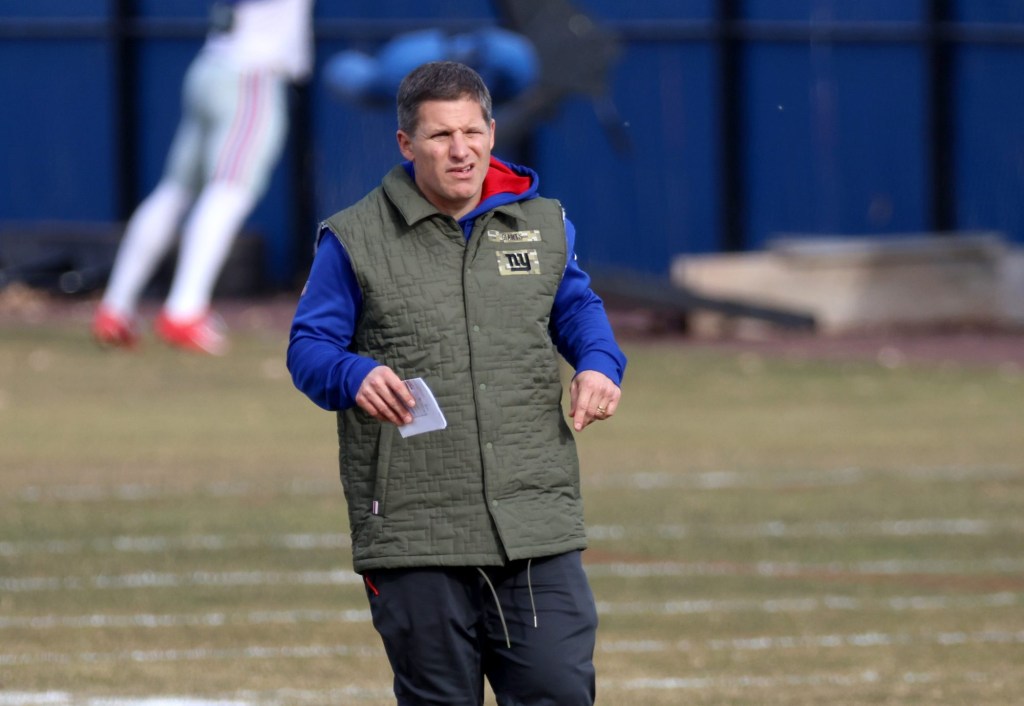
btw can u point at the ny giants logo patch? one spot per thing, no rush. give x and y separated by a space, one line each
518 262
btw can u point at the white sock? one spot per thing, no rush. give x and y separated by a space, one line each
147 238
206 241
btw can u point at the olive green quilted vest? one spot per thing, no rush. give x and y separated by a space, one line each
471 318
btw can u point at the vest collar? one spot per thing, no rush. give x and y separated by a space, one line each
402 191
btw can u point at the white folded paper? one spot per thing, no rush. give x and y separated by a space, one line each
426 415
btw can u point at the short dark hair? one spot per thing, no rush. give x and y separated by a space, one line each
439 81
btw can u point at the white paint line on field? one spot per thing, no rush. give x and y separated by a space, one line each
196 654
346 695
98 621
769 569
789 642
101 621
811 604
763 682
150 544
278 697
631 686
764 569
739 644
869 639
134 492
728 480
60 698
152 579
160 544
922 527
640 480
341 695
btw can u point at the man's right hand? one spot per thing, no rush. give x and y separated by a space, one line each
385 397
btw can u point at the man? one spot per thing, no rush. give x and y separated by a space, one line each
231 135
468 538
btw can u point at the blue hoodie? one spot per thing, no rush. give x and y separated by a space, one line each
329 373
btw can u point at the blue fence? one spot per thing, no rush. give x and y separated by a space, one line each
745 120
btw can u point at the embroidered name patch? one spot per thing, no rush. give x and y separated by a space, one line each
518 262
515 236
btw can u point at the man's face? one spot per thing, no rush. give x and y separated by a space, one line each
451 150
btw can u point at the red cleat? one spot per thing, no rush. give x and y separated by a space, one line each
113 330
203 334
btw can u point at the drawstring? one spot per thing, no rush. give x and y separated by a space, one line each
529 585
501 615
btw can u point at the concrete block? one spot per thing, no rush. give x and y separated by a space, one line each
1012 290
855 282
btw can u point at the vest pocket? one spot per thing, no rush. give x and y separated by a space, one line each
378 502
368 520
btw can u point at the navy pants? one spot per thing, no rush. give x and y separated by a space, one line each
444 634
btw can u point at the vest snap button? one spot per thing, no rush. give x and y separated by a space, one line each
483 386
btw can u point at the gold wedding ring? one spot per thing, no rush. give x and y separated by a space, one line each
602 410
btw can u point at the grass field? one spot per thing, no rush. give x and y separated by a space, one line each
763 531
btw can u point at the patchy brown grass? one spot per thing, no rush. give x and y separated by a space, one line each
768 528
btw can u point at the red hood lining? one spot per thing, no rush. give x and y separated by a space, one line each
502 180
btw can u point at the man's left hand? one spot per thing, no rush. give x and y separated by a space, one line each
593 396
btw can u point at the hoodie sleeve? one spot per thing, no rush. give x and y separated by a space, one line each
579 324
319 359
